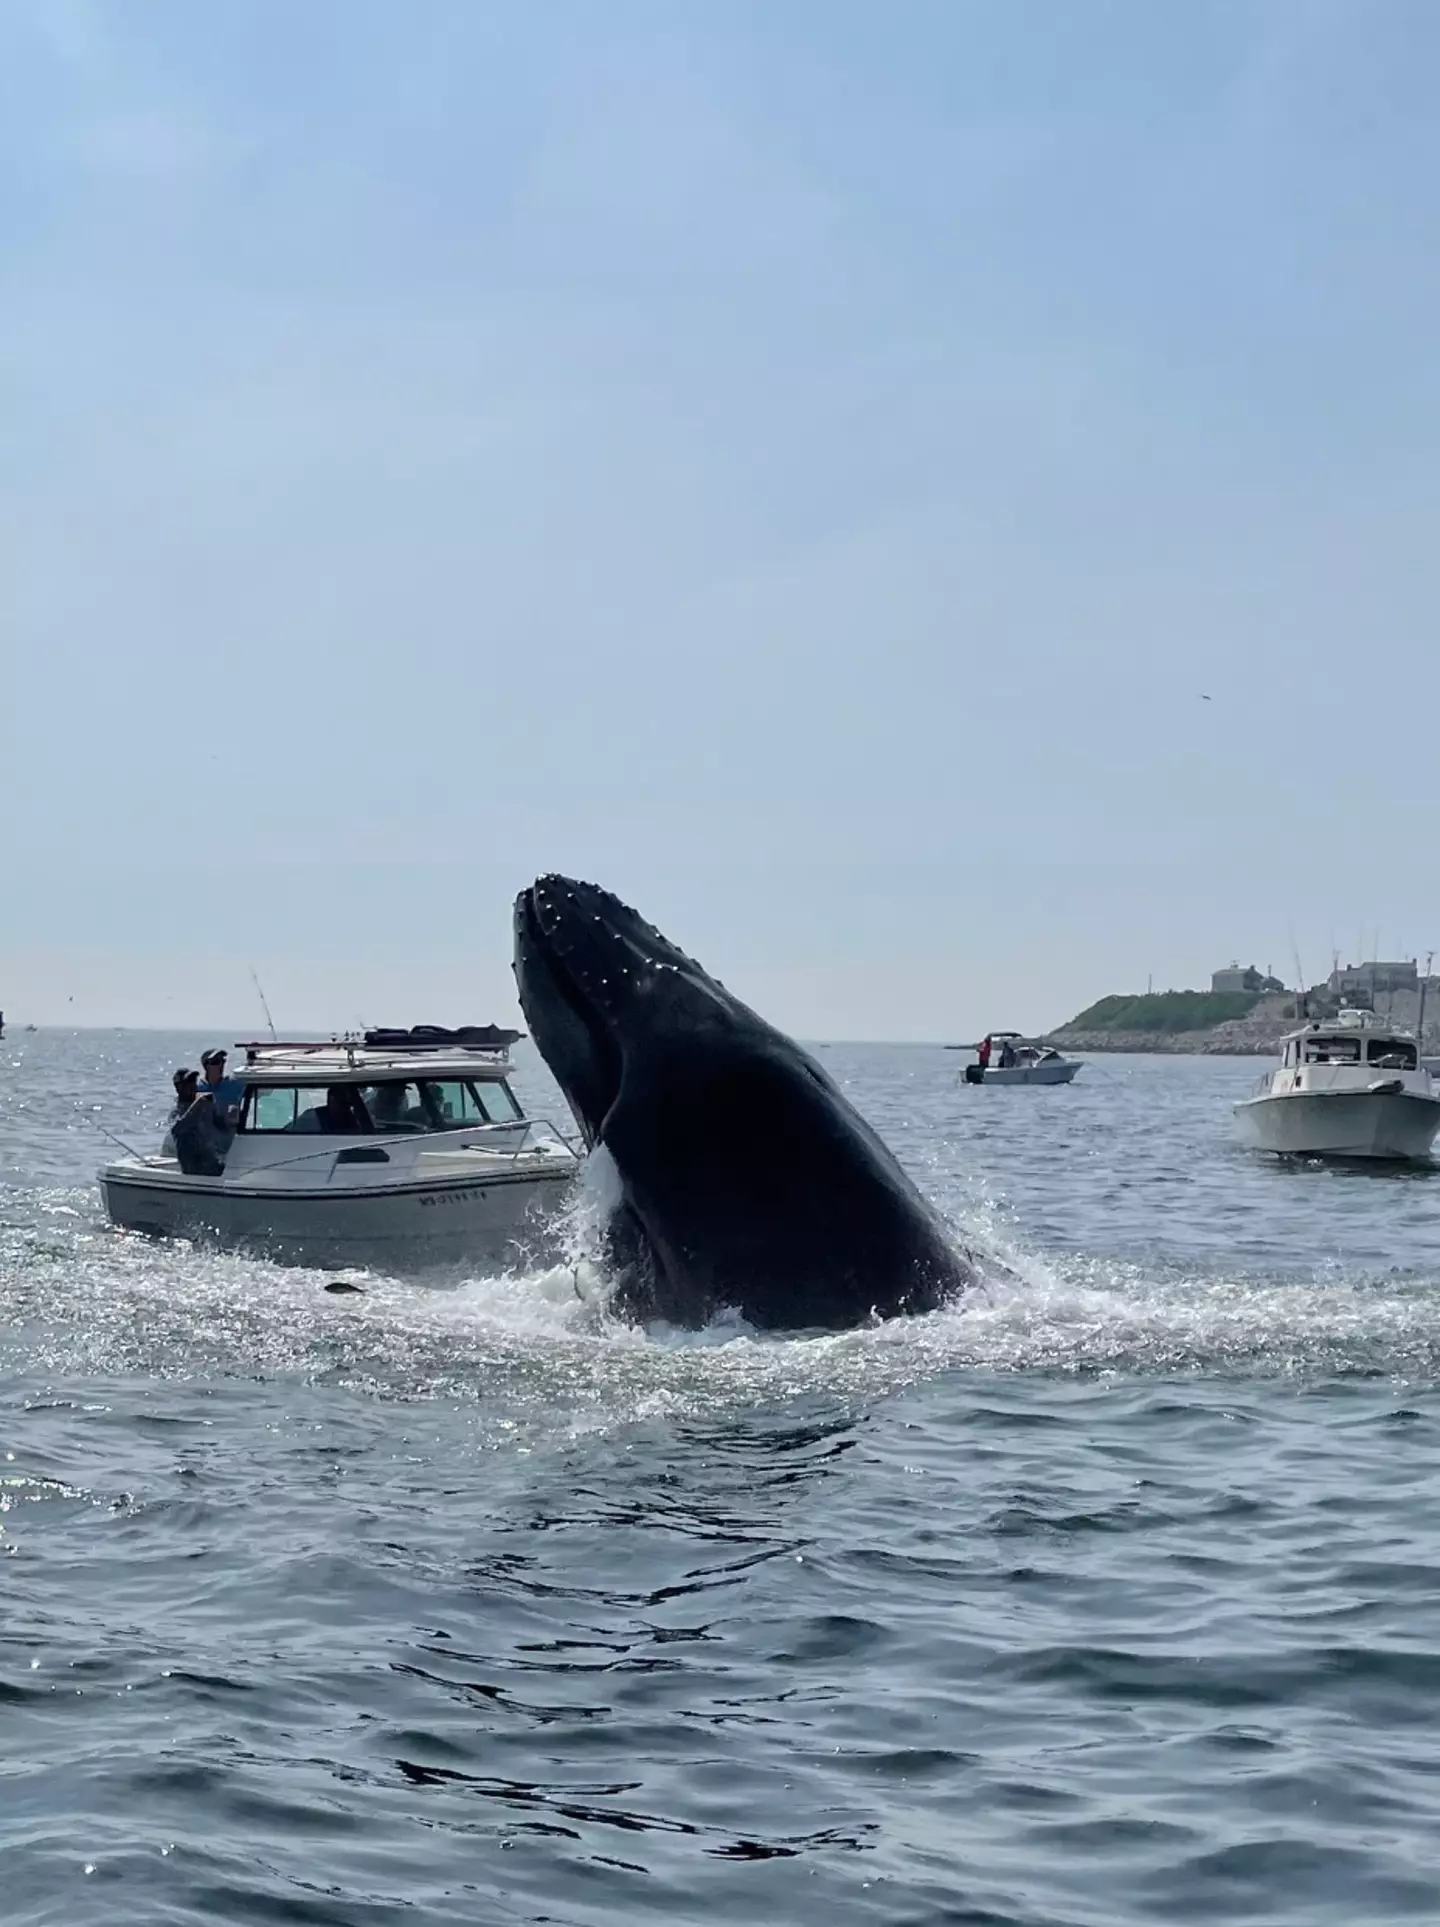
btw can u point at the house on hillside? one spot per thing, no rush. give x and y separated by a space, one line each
1369 979
1233 978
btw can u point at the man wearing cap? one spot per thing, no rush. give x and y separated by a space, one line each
186 1084
226 1093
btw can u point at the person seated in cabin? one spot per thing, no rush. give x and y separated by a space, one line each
341 1115
187 1087
386 1104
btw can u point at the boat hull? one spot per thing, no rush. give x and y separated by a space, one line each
498 1219
1397 1126
1062 1073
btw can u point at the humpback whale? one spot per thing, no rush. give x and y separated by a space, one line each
747 1181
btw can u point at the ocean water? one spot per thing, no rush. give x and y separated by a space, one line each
1109 1596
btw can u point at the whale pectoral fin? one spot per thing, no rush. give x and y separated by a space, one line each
627 1256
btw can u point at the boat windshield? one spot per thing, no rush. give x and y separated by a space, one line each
1332 1050
438 1104
388 1105
1393 1054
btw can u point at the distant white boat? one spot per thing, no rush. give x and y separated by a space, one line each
1349 1088
1019 1063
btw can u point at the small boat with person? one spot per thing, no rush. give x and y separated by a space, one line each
393 1147
1003 1058
1349 1087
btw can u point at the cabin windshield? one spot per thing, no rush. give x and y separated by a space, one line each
1332 1050
438 1104
391 1105
1393 1054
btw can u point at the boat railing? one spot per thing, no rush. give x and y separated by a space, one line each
526 1126
359 1054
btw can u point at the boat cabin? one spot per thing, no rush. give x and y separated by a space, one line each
1354 1047
1020 1053
354 1088
1351 1051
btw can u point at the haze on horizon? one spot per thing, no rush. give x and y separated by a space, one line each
801 467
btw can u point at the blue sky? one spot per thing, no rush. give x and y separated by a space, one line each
798 465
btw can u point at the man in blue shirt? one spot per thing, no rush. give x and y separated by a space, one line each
226 1093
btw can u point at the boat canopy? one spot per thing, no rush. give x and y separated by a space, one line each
428 1053
436 1037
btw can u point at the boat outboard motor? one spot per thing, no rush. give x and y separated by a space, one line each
974 1074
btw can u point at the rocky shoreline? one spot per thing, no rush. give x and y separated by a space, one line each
1257 1034
1170 1044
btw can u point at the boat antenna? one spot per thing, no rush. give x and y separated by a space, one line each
1302 995
1424 986
263 1005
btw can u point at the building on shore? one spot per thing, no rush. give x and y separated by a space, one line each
1233 978
1372 979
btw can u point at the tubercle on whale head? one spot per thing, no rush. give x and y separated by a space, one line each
595 980
608 951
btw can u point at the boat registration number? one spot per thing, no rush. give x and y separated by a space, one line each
450 1197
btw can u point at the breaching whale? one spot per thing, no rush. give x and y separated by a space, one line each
747 1179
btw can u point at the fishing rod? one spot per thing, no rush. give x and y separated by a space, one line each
255 979
94 1123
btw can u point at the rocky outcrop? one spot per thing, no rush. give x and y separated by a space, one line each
1255 1035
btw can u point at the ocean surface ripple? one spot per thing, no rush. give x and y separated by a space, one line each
1106 1597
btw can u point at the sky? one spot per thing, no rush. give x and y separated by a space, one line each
801 466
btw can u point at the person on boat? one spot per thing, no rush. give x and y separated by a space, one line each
341 1114
187 1084
202 1140
1007 1055
227 1094
386 1105
982 1051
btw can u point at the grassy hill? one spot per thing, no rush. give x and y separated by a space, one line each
1167 1012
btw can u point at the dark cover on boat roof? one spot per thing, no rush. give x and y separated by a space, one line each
436 1037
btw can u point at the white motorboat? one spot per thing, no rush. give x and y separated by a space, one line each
396 1148
1012 1062
1353 1087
